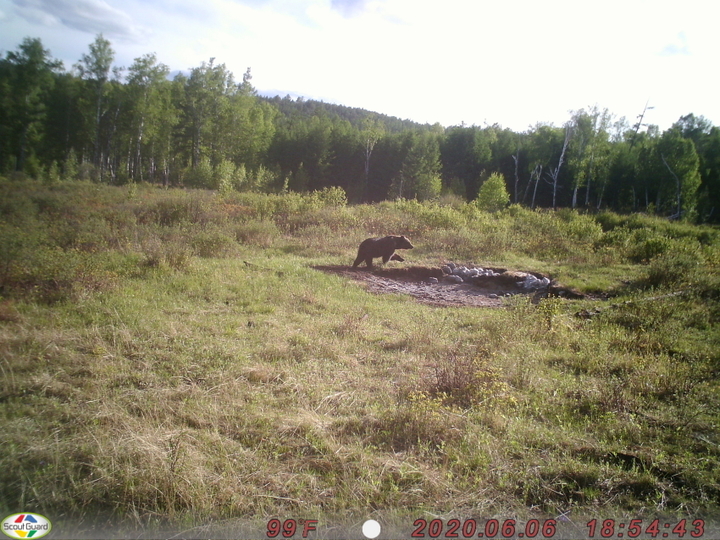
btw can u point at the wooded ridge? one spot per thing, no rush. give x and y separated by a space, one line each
204 129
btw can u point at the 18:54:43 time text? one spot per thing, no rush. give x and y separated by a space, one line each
609 528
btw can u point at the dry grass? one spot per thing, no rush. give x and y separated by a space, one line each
239 384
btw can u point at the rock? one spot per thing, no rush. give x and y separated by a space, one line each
433 280
462 272
533 283
454 279
447 269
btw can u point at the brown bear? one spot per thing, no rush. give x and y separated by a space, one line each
381 247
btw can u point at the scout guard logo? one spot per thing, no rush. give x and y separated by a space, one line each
26 526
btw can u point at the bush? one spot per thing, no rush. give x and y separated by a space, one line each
212 242
200 176
578 226
16 246
49 274
261 233
176 208
677 265
467 243
169 251
645 245
432 215
493 195
463 381
609 220
330 196
224 176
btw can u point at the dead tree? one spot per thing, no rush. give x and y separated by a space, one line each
517 178
537 171
555 173
678 183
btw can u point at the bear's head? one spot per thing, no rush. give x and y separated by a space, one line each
402 242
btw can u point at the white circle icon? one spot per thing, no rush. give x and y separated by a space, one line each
371 529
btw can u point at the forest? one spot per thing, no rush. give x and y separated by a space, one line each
205 129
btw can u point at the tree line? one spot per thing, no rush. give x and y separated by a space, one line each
206 129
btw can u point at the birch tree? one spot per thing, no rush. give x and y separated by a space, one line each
681 161
554 172
95 68
589 151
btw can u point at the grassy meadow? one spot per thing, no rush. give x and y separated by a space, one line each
171 358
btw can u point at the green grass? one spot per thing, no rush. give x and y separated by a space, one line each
171 358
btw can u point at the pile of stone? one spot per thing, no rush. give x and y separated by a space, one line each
462 274
534 283
520 281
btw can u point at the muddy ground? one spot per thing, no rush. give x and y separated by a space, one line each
413 280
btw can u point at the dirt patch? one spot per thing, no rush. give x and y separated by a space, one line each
414 280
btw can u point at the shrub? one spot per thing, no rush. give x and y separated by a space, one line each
16 245
212 242
177 207
337 219
200 176
224 176
53 174
261 233
169 251
609 220
432 215
464 381
468 243
578 226
493 195
644 244
263 180
678 264
50 275
330 196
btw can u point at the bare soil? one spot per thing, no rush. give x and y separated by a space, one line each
413 280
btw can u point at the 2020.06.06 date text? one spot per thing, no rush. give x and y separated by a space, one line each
492 528
609 528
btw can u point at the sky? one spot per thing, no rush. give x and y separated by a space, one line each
515 63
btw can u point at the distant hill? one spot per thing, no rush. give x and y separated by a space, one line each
290 106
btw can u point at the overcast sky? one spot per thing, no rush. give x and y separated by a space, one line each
515 63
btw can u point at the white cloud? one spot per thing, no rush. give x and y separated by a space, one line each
515 63
678 47
92 16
